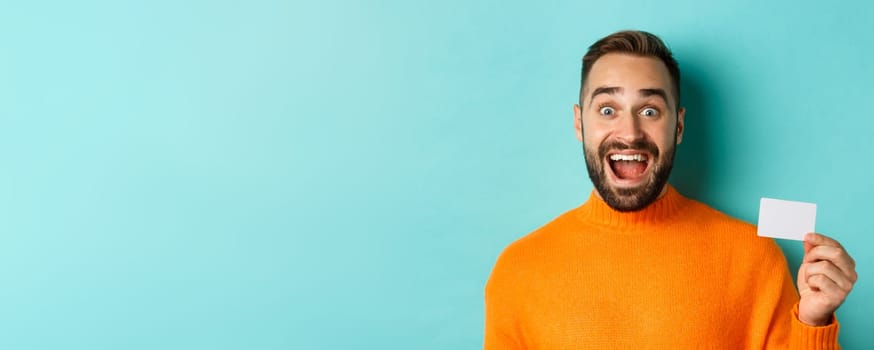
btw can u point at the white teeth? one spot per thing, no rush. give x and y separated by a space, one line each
628 157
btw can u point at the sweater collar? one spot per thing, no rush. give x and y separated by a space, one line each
596 211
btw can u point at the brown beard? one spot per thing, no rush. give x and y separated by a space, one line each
631 199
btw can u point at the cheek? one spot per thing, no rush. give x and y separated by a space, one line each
592 139
663 136
593 132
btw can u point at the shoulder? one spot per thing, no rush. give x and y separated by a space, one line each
711 216
544 236
735 234
524 254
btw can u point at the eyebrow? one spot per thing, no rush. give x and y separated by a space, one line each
655 92
609 90
612 90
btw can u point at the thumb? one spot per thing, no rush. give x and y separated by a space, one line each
809 241
807 247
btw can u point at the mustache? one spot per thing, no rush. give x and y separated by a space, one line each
642 144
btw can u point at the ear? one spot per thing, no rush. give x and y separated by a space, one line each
681 124
578 120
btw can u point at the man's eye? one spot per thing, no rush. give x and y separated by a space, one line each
607 111
649 112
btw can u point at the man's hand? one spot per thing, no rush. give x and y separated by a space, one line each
826 276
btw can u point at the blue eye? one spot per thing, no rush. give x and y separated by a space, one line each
649 112
608 111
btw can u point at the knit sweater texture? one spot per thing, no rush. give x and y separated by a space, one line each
675 275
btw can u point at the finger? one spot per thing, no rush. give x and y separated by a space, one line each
818 239
831 271
835 255
823 285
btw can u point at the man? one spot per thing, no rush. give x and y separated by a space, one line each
639 266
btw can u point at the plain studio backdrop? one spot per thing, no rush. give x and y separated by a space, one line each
343 175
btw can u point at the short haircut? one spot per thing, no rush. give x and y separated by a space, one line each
634 42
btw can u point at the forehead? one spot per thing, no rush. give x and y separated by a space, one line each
629 72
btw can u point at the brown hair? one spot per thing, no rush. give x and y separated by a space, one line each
635 42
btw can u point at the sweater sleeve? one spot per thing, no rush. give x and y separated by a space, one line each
785 318
502 330
810 337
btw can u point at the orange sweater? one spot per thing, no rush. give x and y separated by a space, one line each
676 275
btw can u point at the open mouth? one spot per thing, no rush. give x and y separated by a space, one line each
629 167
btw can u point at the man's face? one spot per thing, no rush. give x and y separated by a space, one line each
629 126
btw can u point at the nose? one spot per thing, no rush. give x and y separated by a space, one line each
628 128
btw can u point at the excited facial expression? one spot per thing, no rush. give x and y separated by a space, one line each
629 125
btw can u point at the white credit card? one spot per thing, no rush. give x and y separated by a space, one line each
786 219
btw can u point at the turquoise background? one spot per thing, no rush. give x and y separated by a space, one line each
343 175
